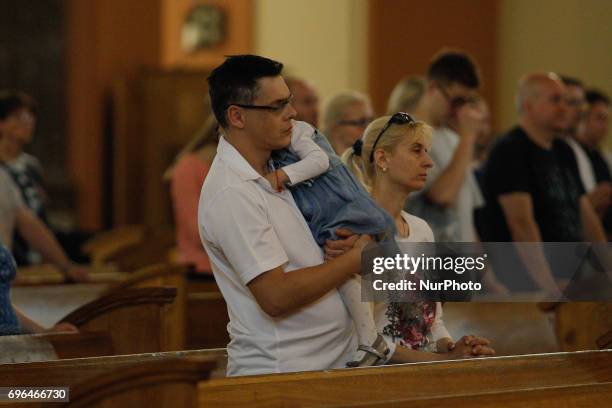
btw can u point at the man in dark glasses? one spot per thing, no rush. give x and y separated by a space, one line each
448 201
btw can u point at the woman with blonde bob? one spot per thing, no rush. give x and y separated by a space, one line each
392 161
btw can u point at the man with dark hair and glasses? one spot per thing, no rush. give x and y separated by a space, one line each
285 312
448 200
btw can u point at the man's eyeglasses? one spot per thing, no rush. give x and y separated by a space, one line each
454 102
399 118
274 108
363 122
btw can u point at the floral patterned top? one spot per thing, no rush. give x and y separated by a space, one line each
410 323
9 324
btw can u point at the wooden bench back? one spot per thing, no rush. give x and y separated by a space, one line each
139 320
69 372
51 346
424 380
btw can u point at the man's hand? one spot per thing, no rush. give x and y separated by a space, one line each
469 121
601 197
76 273
337 247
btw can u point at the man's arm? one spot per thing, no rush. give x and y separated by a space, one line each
591 224
444 189
39 237
518 210
279 293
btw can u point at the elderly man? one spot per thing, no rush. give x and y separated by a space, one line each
346 115
530 185
305 100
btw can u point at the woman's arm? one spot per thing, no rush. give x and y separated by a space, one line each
29 326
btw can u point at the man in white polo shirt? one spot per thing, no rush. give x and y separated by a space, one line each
285 313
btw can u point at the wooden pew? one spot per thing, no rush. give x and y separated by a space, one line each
139 320
69 372
46 274
409 383
586 395
52 346
207 316
581 325
153 248
167 275
104 244
151 384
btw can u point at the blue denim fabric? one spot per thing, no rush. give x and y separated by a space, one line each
336 199
8 318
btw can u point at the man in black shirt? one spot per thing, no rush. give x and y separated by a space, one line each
530 185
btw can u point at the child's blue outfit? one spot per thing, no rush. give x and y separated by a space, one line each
335 199
9 324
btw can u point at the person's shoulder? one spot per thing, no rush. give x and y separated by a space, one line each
189 163
223 184
512 142
418 227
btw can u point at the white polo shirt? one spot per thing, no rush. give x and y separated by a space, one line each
247 229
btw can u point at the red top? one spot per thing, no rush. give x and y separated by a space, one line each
186 184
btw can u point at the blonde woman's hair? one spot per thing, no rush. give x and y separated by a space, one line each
406 95
207 135
360 164
335 106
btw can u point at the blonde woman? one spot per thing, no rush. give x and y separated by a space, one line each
392 161
406 95
186 176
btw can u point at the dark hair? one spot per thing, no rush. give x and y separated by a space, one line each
454 66
235 81
571 81
11 101
594 96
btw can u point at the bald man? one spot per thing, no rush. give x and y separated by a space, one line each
531 189
305 100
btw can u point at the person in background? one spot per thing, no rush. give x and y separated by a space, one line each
532 191
17 124
16 216
12 320
406 95
186 176
591 133
451 194
345 117
305 100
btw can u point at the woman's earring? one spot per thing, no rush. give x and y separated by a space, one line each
384 169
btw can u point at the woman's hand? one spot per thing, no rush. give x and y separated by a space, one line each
338 247
62 327
76 273
469 346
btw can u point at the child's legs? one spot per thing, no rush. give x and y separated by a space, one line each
361 312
